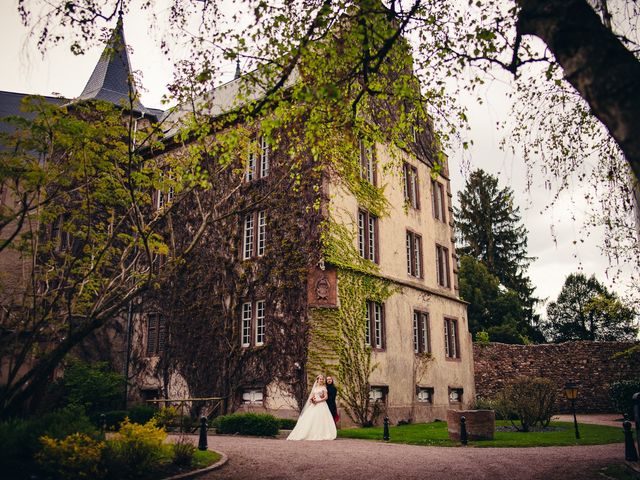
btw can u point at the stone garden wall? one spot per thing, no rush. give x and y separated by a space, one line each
590 364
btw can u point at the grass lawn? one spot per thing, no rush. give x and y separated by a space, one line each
436 434
201 459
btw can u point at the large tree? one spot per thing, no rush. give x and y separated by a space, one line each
587 310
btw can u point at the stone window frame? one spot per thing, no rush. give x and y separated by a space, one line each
429 390
415 263
443 266
411 185
368 234
458 392
421 332
438 201
375 330
451 338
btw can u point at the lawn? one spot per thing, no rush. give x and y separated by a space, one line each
435 434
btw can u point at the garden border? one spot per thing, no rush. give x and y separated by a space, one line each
215 466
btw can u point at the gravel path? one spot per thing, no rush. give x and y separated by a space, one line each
260 458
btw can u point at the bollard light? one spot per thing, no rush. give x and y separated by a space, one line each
463 430
630 454
385 433
202 443
571 392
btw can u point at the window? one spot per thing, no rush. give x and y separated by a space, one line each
253 320
455 395
157 262
414 254
252 396
438 201
156 333
421 337
258 167
252 242
164 195
378 394
368 236
411 195
260 322
451 344
442 266
247 315
367 163
424 394
374 329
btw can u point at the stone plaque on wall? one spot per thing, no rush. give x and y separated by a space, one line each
322 288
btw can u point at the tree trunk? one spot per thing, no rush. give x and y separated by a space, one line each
595 62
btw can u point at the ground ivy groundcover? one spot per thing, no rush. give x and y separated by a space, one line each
435 434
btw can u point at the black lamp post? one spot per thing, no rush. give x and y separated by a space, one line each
571 392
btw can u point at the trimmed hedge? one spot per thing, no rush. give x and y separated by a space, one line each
286 423
622 394
257 424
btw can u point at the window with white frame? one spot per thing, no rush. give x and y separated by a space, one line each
165 194
258 162
414 254
438 202
424 394
411 191
451 341
253 396
368 235
375 328
421 334
247 320
442 266
254 234
367 162
260 322
252 324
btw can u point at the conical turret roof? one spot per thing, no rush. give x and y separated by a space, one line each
112 79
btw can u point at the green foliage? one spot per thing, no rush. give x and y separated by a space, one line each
75 457
286 423
490 230
482 337
167 417
141 413
19 438
531 400
587 310
91 386
114 418
135 451
622 393
255 424
183 452
493 309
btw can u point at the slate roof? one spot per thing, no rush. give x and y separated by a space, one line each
112 76
10 105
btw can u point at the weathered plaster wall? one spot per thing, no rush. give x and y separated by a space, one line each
590 364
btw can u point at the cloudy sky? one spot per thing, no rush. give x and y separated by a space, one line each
554 234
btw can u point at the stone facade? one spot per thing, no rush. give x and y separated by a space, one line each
592 365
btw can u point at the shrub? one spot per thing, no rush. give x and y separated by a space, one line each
19 438
183 451
114 418
141 413
530 400
167 417
74 457
622 393
135 451
482 337
92 386
286 423
258 424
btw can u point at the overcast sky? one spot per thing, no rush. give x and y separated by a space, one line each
25 70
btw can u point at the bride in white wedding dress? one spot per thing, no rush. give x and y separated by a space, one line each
315 421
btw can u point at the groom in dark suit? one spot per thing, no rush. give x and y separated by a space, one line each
332 393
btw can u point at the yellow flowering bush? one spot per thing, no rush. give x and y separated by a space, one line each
77 456
136 451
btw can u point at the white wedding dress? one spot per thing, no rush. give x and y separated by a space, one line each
315 421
